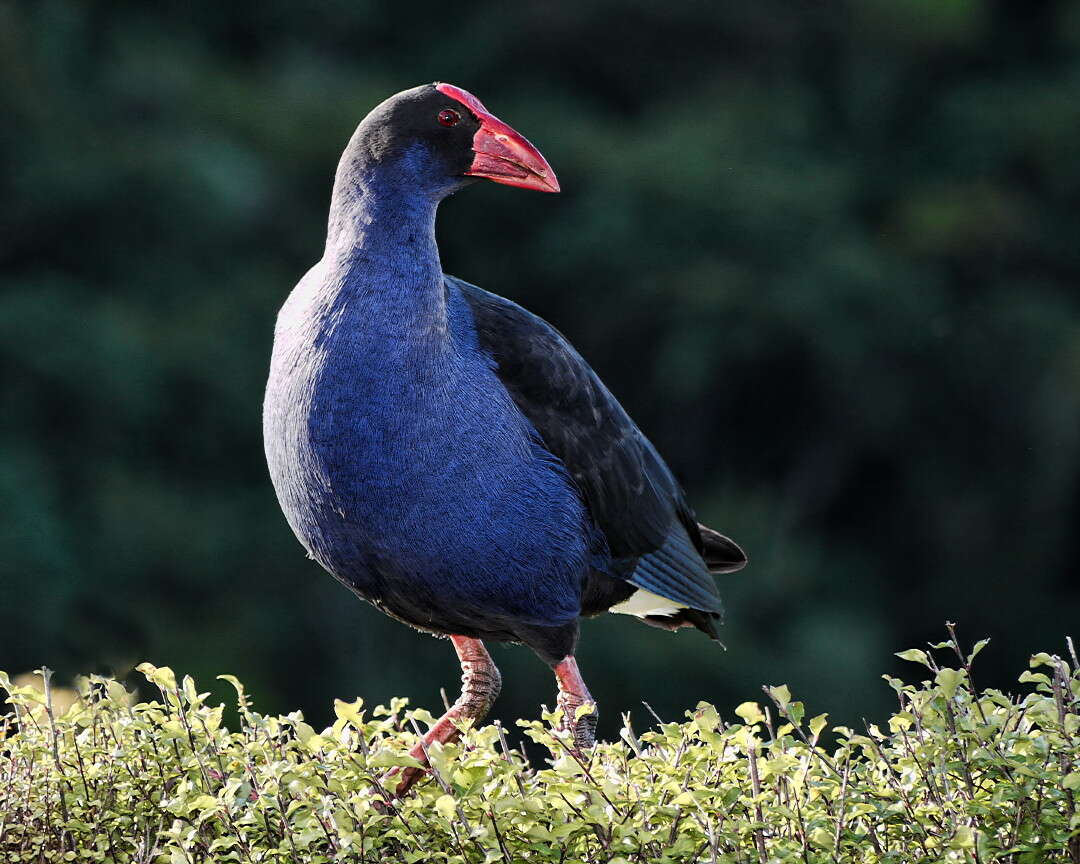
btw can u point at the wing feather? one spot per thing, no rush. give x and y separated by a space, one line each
631 494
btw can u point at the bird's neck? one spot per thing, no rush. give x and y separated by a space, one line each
381 246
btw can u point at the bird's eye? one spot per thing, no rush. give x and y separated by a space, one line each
449 117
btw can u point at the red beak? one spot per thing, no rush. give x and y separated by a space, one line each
502 154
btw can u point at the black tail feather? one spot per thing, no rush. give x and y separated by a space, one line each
721 554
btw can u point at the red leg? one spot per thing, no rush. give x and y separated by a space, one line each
572 695
480 684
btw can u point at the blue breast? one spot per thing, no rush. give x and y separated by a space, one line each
402 464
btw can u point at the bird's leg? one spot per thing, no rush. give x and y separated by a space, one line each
480 684
572 695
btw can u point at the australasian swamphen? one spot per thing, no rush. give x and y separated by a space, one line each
449 456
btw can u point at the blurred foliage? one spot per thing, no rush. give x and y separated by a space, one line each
955 775
826 254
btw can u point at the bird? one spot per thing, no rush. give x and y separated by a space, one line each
448 456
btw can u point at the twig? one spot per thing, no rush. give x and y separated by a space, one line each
843 800
46 675
755 785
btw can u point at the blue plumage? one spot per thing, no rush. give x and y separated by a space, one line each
401 462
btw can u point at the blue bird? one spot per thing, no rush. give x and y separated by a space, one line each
448 456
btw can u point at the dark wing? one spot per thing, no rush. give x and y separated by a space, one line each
631 494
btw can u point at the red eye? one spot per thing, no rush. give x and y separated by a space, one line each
449 117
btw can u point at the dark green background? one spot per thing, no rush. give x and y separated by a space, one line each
825 253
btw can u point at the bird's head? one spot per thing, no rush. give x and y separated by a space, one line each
444 137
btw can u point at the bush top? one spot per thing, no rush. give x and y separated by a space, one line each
950 776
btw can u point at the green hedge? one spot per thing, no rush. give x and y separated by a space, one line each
949 777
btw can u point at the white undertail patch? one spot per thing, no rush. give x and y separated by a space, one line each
642 603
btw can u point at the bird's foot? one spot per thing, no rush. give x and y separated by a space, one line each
480 683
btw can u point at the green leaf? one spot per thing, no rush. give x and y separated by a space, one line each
706 718
750 712
201 803
982 643
584 710
963 838
1029 677
915 655
446 807
901 722
236 685
821 838
162 676
349 711
949 680
389 759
